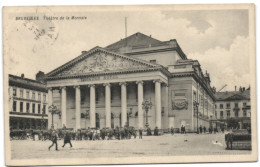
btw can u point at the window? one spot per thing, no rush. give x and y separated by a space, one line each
27 94
39 108
33 108
14 92
33 95
244 104
44 98
216 114
153 61
28 107
21 106
221 106
221 113
21 93
215 106
228 113
236 105
39 96
44 109
236 113
14 105
244 113
194 96
228 105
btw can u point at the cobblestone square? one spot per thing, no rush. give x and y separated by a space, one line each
166 145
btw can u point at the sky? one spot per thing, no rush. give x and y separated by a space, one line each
217 38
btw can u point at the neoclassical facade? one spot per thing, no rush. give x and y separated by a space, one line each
105 87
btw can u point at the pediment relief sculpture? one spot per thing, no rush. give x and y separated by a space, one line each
102 62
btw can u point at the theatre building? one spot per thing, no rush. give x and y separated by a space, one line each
105 87
27 103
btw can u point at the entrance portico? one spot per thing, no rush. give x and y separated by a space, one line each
123 92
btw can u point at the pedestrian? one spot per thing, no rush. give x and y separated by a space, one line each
67 139
54 140
200 129
172 131
204 129
140 133
184 130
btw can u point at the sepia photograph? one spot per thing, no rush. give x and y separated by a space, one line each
129 84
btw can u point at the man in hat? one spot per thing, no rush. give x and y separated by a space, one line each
54 140
140 133
67 139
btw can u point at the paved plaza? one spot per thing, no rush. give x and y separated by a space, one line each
166 145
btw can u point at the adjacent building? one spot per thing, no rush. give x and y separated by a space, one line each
105 87
27 103
235 105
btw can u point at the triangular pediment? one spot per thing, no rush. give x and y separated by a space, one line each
99 60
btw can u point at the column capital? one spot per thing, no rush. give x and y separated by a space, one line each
122 83
76 87
91 85
157 80
63 87
50 88
107 84
139 82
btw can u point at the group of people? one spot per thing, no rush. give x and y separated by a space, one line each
94 134
210 130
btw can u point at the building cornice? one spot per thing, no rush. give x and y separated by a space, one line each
158 68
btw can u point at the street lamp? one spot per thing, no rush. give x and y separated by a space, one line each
42 121
196 104
53 110
147 105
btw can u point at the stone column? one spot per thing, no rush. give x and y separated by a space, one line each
158 106
47 107
92 106
77 104
140 101
63 106
123 104
108 105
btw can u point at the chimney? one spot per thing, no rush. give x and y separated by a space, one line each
235 88
22 75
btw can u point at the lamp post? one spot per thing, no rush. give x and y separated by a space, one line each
196 104
53 110
42 121
147 105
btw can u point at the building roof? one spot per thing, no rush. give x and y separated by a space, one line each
26 83
233 95
137 39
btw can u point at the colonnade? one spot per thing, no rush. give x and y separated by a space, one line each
108 103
